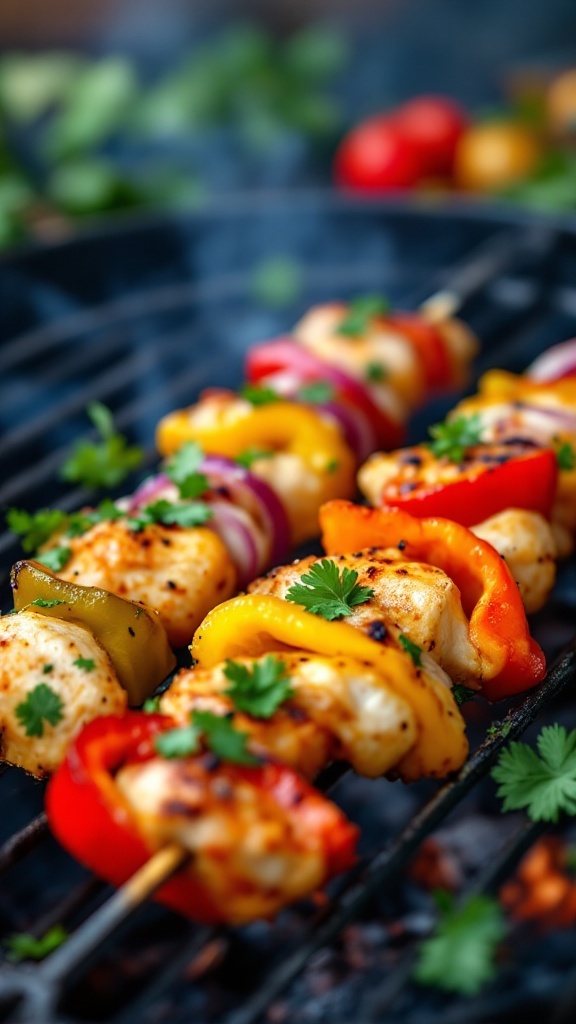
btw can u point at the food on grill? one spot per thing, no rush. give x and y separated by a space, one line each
69 654
510 660
525 540
252 625
258 835
318 403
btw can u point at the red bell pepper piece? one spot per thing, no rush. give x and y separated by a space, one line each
286 356
511 659
492 477
90 818
429 345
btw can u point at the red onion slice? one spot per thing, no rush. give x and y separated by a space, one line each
556 363
150 490
357 430
237 530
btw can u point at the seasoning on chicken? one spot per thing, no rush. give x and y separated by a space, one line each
259 836
338 709
54 677
526 542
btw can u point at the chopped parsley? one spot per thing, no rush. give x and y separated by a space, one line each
55 558
462 694
183 470
332 466
152 705
37 528
259 395
41 705
42 602
360 312
327 592
251 455
376 372
103 463
411 648
542 783
88 664
27 947
193 513
47 669
459 956
217 733
260 690
499 729
565 456
452 438
316 393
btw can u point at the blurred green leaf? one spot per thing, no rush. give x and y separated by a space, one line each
316 53
551 187
32 84
15 195
90 185
94 109
277 281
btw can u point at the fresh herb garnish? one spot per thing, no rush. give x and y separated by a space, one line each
376 372
183 470
332 465
260 690
152 705
360 312
192 513
327 592
251 455
27 947
216 731
47 669
105 463
41 705
317 393
259 396
411 648
565 456
459 956
37 528
42 602
88 664
543 783
452 438
55 558
462 694
499 729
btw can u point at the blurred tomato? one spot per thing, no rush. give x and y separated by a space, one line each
375 157
433 126
492 155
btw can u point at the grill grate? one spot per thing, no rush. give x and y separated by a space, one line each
130 353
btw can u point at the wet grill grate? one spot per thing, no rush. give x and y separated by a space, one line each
145 352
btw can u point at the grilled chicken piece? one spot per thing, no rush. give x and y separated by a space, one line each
340 709
410 598
37 650
255 847
525 540
180 572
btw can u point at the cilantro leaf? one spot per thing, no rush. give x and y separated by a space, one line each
317 393
223 739
183 470
375 372
565 456
37 528
360 312
543 783
499 729
88 664
452 438
411 648
261 690
42 704
459 956
190 513
55 558
42 602
152 705
259 396
178 742
27 947
104 463
462 694
324 591
251 455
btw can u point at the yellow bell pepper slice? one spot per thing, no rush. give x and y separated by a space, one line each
254 624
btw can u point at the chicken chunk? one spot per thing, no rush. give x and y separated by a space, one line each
411 598
180 572
65 658
525 540
254 848
340 709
